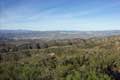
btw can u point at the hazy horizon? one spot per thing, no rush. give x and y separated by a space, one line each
62 15
56 30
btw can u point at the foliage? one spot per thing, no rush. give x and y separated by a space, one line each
70 62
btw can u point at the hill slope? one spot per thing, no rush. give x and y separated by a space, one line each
89 59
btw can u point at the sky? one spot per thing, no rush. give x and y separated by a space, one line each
44 15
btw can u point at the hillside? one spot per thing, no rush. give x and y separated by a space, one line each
65 59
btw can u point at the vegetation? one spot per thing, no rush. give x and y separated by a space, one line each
70 59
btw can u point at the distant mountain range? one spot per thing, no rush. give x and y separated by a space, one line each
27 34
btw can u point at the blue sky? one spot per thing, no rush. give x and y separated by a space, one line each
60 14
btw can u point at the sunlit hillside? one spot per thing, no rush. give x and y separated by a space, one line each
75 59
